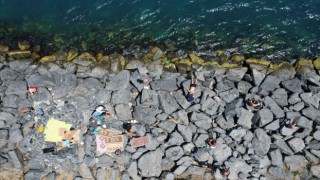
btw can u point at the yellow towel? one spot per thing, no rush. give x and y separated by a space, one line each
51 132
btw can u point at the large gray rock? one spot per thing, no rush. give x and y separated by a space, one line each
186 132
274 107
175 139
167 103
237 166
258 77
261 142
224 124
210 106
284 148
121 97
296 144
10 101
263 117
245 118
167 126
221 153
201 120
5 116
164 85
149 98
133 170
237 134
61 90
85 171
277 172
181 116
200 141
155 68
8 74
296 163
311 99
224 85
273 126
316 135
269 84
123 112
15 136
276 158
102 96
119 82
181 99
150 163
195 170
236 74
312 113
229 95
18 88
315 170
40 80
145 115
244 87
293 85
174 153
42 95
280 96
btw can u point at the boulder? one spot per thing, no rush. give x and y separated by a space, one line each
186 132
236 74
280 96
245 117
315 170
269 84
296 144
261 142
293 85
174 153
244 87
258 77
181 99
296 163
221 153
236 166
164 85
122 96
263 117
175 139
167 102
277 172
118 82
123 112
149 98
145 115
276 158
150 163
133 170
274 107
85 171
284 148
229 95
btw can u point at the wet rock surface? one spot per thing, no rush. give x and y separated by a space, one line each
277 136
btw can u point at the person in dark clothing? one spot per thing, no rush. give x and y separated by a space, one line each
192 90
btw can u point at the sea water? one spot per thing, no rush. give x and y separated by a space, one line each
275 29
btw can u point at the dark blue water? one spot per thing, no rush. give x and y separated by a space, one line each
271 28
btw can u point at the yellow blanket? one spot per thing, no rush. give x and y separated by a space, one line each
52 132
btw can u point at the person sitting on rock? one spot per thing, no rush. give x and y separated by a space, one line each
145 81
192 90
255 104
128 129
32 89
213 143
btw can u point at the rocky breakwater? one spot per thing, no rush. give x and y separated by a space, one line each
263 119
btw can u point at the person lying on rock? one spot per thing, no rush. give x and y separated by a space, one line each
192 89
98 111
26 110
